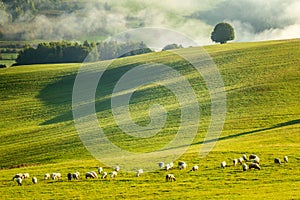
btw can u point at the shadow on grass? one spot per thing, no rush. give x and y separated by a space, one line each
280 125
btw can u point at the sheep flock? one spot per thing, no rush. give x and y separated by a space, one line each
246 163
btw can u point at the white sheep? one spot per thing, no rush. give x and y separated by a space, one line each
252 156
182 165
223 164
170 177
245 167
100 170
171 165
55 176
25 175
139 172
235 161
104 175
256 160
254 166
17 176
89 175
168 167
94 173
46 176
277 161
117 168
241 160
34 180
76 175
113 174
161 165
19 181
286 159
195 168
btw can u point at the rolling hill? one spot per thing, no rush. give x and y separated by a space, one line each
38 134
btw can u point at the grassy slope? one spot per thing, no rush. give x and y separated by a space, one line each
263 116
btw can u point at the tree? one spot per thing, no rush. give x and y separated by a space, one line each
222 33
172 46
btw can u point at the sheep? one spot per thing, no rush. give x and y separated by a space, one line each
94 173
182 165
245 157
117 168
252 156
254 166
55 176
104 175
34 180
69 176
245 167
17 176
76 175
286 159
241 160
171 165
168 167
223 164
19 181
139 172
46 176
25 175
235 161
256 160
100 170
161 165
170 177
113 174
277 161
89 175
195 168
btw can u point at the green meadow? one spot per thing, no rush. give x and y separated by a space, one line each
261 79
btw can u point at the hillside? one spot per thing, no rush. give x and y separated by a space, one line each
38 134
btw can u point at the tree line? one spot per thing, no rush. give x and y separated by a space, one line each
69 52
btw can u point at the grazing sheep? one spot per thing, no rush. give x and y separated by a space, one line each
245 167
113 174
55 176
89 175
100 170
171 165
19 181
286 159
170 177
195 168
252 156
168 167
182 165
94 173
241 160
235 161
104 175
76 175
17 176
69 176
254 166
223 164
256 160
161 165
139 172
26 175
46 176
34 180
245 157
117 168
277 161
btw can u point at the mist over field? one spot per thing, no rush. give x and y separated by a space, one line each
253 20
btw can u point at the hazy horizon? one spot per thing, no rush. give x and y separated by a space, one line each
253 20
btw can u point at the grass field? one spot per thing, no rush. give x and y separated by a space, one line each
38 134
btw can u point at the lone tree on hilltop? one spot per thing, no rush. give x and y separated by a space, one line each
222 33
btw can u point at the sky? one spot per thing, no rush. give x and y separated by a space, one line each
253 20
